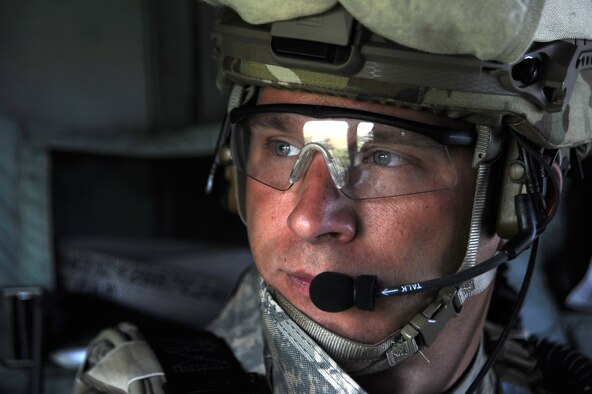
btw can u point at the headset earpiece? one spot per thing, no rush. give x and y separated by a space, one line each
512 184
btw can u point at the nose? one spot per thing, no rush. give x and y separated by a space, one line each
321 212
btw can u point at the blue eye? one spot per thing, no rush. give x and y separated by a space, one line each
284 149
386 158
382 158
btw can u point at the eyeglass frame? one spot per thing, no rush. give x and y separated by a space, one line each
442 135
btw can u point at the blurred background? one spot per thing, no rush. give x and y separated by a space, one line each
109 115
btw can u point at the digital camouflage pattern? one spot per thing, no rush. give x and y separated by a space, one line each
260 332
294 362
570 127
239 324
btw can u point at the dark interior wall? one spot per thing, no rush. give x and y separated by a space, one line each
133 198
107 65
127 79
128 70
106 115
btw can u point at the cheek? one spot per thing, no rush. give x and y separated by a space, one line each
421 228
267 211
266 207
439 218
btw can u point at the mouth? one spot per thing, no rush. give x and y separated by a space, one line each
300 281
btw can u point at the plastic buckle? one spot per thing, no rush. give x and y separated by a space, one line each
432 319
424 328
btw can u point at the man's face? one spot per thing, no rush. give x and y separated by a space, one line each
313 227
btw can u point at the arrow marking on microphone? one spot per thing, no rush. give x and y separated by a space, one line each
409 288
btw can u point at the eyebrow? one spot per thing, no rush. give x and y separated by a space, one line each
275 121
382 133
441 134
399 136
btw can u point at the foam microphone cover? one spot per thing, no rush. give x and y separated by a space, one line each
332 291
364 292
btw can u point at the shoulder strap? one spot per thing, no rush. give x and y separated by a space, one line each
540 365
201 362
162 361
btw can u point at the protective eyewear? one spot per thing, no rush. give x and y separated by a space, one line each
368 155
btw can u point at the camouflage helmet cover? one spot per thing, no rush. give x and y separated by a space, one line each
545 94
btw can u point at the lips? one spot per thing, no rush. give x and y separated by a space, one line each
300 281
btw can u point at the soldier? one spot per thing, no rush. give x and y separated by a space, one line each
387 160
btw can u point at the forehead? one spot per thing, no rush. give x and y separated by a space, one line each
270 95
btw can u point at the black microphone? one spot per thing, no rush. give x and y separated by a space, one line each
337 292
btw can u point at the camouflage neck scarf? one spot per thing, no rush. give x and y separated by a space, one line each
294 362
354 357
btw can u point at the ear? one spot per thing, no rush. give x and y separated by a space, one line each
551 197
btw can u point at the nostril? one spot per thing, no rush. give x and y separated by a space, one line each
331 236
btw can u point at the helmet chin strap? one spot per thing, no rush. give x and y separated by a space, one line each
476 285
354 357
422 330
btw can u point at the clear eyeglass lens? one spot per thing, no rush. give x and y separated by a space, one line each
380 160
